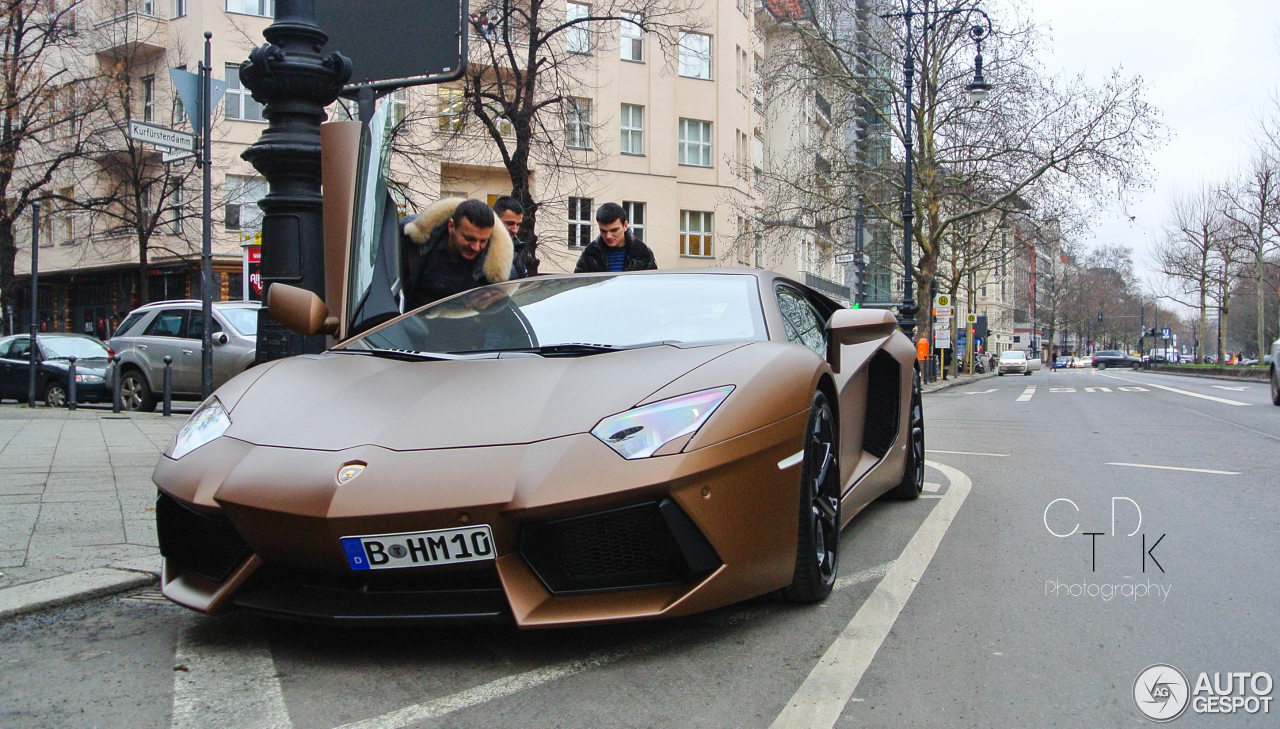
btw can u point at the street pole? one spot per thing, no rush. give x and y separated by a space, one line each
206 250
290 76
859 248
35 303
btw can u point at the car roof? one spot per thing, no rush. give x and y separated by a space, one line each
196 302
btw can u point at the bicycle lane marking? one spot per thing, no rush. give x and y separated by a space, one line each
1189 393
821 699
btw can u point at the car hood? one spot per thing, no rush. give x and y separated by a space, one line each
337 401
88 366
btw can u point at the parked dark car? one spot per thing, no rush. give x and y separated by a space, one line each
53 381
1114 358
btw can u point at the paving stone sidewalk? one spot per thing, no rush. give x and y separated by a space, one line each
76 491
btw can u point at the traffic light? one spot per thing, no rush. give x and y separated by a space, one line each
1099 317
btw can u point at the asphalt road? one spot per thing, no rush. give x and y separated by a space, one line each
993 633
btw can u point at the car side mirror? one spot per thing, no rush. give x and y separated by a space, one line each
220 338
300 310
855 326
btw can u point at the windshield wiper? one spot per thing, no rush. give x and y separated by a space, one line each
404 354
579 349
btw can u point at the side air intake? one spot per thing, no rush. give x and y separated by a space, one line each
884 378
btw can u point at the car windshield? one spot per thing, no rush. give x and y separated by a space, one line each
1013 355
244 321
601 311
78 347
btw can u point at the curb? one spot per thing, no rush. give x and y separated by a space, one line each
1227 378
64 589
940 385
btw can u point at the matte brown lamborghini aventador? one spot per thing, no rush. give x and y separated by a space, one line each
561 450
557 450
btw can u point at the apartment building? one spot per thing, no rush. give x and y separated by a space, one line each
677 135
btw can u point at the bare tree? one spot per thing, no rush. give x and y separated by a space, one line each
45 96
1252 204
1188 253
1058 144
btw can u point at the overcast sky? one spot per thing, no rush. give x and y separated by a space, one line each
1211 67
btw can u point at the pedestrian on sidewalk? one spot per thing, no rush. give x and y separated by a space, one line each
616 249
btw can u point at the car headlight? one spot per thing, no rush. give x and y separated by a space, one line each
88 379
638 433
209 421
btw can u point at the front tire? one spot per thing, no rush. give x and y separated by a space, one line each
818 537
1102 365
135 396
913 473
55 395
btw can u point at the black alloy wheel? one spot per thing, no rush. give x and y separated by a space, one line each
134 393
818 538
913 473
55 395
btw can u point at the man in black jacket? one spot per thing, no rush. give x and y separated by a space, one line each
452 247
511 214
616 249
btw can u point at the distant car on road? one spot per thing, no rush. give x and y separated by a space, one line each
53 368
175 329
1115 358
1063 363
1013 361
1083 362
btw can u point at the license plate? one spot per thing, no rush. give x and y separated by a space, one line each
418 549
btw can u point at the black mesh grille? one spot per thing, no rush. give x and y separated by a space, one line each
622 548
199 542
883 402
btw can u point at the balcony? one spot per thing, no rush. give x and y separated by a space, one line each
826 286
132 34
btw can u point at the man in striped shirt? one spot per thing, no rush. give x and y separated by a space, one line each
616 250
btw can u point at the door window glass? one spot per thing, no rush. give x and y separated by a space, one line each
195 326
799 314
167 323
128 323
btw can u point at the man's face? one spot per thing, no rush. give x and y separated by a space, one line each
468 240
614 234
511 221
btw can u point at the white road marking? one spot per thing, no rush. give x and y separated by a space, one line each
1128 388
790 461
1222 400
970 453
930 496
1027 394
1235 389
1097 389
932 487
229 679
1176 468
867 575
820 700
1062 389
982 392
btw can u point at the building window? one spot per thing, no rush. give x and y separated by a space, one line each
176 207
695 143
757 84
577 123
635 219
577 36
241 211
579 221
500 122
744 71
149 98
632 129
695 233
695 55
147 7
632 47
757 160
742 153
399 106
239 102
67 203
984 291
452 104
179 8
264 8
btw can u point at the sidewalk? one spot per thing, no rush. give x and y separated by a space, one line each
956 381
76 496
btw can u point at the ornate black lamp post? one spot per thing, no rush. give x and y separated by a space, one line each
978 89
295 81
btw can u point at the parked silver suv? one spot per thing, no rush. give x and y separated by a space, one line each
175 329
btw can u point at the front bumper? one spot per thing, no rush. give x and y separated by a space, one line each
273 518
1013 369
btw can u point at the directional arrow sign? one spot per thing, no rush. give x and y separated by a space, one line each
161 136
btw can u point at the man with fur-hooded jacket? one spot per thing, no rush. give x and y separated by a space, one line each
452 247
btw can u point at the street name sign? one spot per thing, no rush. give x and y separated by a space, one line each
175 156
161 136
845 258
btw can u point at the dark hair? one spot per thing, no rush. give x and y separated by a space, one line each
479 214
505 204
610 212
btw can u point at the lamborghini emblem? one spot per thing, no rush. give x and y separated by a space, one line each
349 471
